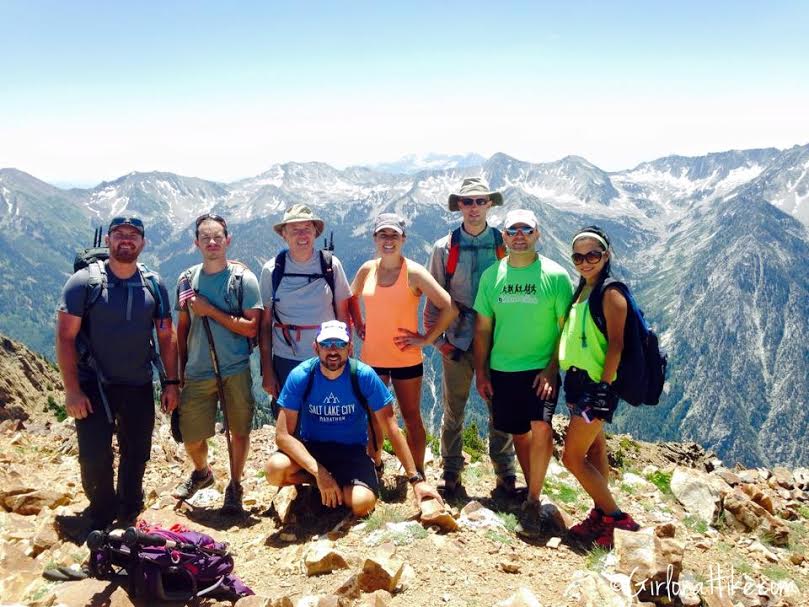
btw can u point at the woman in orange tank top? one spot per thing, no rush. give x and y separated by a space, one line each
390 287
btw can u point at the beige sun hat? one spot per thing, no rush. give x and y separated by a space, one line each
474 187
297 213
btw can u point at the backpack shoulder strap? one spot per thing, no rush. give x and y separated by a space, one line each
150 281
499 245
327 268
454 254
596 300
307 391
236 286
96 284
355 385
278 272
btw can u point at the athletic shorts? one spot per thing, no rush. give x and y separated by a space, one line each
516 404
198 405
577 384
348 464
401 372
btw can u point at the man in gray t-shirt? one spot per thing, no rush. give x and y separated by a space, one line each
293 314
227 295
105 324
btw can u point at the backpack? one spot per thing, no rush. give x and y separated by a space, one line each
642 370
326 273
174 564
455 252
94 258
235 290
355 386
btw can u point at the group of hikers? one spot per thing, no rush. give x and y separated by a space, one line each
496 310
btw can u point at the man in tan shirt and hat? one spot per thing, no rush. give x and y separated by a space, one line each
300 288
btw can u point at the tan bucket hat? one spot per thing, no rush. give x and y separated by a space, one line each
300 212
474 187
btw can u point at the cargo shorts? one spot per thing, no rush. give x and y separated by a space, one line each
198 404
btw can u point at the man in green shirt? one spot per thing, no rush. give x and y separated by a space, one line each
521 304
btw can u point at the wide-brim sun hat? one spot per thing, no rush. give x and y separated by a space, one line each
474 187
298 213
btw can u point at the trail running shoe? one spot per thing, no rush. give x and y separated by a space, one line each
233 499
590 528
195 482
532 521
610 524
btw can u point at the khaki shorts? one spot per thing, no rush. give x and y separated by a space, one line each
198 401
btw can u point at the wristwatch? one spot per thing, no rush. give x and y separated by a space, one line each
416 478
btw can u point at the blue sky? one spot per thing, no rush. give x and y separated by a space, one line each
90 91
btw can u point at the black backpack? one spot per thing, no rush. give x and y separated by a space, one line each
326 273
642 370
355 386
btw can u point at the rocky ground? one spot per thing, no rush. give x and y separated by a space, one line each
711 535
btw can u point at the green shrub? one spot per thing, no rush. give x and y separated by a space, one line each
58 410
661 480
473 444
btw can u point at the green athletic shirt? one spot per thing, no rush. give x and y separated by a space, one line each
589 352
527 305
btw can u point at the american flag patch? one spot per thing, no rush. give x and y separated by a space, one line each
184 292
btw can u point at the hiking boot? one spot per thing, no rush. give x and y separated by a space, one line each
233 499
589 529
450 484
610 524
532 521
506 487
76 527
195 482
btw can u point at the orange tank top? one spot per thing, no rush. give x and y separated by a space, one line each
387 309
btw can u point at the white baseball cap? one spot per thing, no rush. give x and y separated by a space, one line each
521 216
333 329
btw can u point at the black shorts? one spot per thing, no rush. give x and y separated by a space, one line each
348 464
516 404
401 372
577 384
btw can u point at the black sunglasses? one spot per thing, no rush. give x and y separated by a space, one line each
593 256
126 221
468 202
212 217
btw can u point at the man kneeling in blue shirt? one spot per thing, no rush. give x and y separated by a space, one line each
322 427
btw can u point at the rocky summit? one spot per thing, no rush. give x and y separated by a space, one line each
710 534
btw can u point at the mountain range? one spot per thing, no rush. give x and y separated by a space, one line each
716 248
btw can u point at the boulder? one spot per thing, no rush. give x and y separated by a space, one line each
758 496
731 478
282 503
522 598
27 500
647 558
378 598
801 476
321 557
589 589
752 516
695 491
380 573
92 593
434 513
783 477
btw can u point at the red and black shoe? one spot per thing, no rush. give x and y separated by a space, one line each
610 524
589 529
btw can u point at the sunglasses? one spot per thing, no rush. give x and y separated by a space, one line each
590 257
333 343
128 221
213 217
468 202
521 230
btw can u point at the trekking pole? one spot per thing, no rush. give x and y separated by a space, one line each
220 388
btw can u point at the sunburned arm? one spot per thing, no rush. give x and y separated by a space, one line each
615 310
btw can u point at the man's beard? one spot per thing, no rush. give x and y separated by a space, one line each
333 364
125 255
